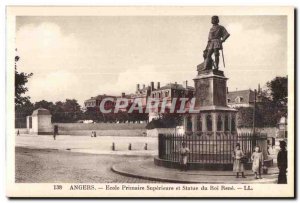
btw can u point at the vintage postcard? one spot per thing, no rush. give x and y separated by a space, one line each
150 102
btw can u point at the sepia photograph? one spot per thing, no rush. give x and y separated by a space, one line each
150 102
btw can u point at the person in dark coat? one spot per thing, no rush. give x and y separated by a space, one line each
282 163
55 132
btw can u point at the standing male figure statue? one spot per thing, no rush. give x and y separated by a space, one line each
217 35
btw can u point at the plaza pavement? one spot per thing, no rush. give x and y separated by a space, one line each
92 145
57 166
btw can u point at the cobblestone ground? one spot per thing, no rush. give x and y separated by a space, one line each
56 166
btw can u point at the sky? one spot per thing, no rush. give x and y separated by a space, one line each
81 57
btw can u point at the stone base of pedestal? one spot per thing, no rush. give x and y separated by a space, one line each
194 165
205 166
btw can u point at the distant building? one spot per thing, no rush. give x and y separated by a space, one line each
173 90
39 122
243 98
170 91
143 92
94 102
129 97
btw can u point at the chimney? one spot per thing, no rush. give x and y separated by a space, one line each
152 86
143 86
123 94
259 90
158 85
137 87
185 84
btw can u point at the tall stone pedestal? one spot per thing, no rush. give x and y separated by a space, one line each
211 99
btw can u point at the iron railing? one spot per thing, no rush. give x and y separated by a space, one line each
208 147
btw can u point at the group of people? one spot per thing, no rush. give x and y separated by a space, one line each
94 134
240 159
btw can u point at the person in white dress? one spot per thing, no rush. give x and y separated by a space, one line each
238 166
257 162
184 156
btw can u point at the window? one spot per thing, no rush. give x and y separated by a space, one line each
189 124
199 123
226 123
233 128
209 122
219 123
239 99
30 122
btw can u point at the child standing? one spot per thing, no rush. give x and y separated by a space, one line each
184 156
257 162
238 166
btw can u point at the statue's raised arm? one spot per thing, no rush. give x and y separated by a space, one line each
217 35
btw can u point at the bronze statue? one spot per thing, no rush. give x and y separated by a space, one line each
217 35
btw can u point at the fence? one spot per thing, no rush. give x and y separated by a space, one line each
206 148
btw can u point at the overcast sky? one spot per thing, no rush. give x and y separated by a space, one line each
80 57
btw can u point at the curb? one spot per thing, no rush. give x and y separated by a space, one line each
128 174
147 177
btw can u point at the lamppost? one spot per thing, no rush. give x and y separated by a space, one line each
254 109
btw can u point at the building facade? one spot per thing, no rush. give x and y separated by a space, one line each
94 102
243 98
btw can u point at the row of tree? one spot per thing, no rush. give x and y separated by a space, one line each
69 111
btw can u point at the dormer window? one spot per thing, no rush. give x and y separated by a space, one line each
239 99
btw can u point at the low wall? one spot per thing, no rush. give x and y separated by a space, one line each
270 131
102 129
100 126
154 132
127 133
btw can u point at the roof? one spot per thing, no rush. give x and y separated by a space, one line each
143 90
99 97
41 111
175 86
247 95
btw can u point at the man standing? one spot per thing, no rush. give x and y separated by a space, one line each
217 35
55 132
282 163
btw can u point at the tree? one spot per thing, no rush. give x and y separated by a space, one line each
270 107
66 112
21 79
44 104
23 106
167 120
244 117
278 90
